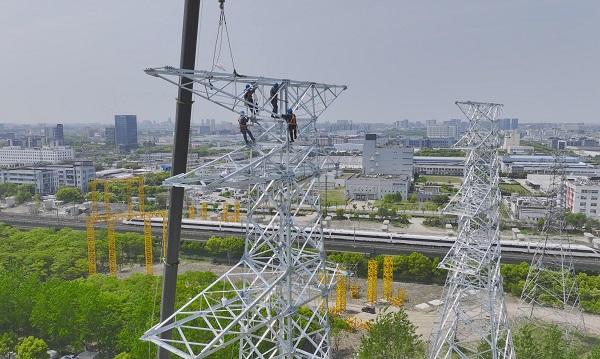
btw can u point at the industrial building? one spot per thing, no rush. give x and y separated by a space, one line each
583 196
387 169
540 164
442 166
389 159
528 209
18 156
365 187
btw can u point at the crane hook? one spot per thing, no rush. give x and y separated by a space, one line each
221 4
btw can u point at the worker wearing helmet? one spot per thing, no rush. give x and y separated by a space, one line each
290 117
249 100
243 122
275 99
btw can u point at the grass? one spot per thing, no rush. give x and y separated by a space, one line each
334 197
514 188
442 179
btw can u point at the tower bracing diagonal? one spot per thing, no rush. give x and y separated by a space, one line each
474 323
273 302
550 293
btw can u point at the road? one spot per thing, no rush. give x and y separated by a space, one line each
30 222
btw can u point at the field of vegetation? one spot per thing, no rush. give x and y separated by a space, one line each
48 301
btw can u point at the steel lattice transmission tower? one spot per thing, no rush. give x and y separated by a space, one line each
273 303
474 322
550 293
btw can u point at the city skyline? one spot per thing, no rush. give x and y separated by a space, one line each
400 59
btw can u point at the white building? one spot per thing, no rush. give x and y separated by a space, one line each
544 164
512 144
77 174
442 131
43 179
583 196
17 155
47 179
364 188
389 159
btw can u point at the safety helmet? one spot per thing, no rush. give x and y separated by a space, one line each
243 113
247 86
289 111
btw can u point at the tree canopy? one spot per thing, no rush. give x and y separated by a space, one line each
69 194
392 336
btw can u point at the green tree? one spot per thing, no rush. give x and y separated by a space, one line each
23 195
32 348
575 220
7 342
525 345
123 356
393 198
441 199
69 194
595 353
392 336
339 213
231 246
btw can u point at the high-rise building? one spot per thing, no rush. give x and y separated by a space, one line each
508 124
109 135
58 135
126 137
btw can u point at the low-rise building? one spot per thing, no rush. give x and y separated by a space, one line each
528 209
12 155
44 179
442 166
583 196
544 164
390 159
47 179
77 174
364 187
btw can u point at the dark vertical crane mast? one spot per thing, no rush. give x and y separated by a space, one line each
180 147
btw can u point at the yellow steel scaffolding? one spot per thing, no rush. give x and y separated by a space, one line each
107 216
236 212
372 282
340 294
204 211
388 273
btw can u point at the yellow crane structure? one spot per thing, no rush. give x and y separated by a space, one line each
372 281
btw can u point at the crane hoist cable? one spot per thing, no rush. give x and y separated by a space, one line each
221 32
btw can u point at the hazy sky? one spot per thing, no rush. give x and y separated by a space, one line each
82 61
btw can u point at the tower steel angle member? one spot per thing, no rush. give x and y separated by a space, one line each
474 321
273 303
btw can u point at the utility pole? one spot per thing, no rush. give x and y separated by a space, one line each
181 137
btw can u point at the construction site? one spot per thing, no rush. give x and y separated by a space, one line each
280 293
